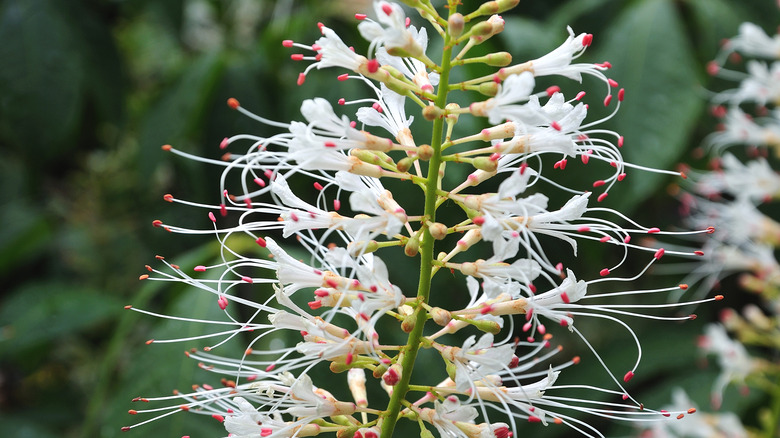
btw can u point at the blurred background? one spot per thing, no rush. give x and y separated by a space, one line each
90 90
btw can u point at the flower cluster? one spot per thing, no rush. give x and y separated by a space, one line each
341 299
733 196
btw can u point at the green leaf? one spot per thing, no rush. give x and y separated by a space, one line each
654 61
714 20
43 312
42 81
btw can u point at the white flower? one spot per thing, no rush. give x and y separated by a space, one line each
391 30
734 361
411 67
476 359
753 41
754 180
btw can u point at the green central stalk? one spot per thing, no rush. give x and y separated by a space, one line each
426 251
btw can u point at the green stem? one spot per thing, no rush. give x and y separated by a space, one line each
426 252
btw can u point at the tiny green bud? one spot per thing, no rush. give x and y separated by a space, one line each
451 370
455 24
365 156
488 88
407 325
412 246
452 116
379 370
481 29
404 164
432 112
362 247
347 432
486 325
496 7
498 59
485 163
425 152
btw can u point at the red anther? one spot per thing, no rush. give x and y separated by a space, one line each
552 90
320 25
607 100
222 210
620 141
479 220
602 197
343 77
564 323
585 158
128 307
680 417
629 375
159 257
599 183
527 326
353 123
301 78
373 65
718 297
712 68
287 43
227 156
613 164
693 316
321 293
125 428
211 217
387 9
658 254
580 95
342 101
247 280
683 286
314 305
167 147
142 277
692 410
621 94
233 103
149 342
317 186
199 268
266 431
132 412
604 239
665 413
222 302
653 230
408 21
330 144
559 267
612 83
296 57
218 417
377 107
583 229
621 177
360 16
604 272
336 204
710 230
699 253
534 419
260 241
565 297
587 40
157 223
556 126
260 182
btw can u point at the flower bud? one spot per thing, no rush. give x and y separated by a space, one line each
452 117
440 316
407 325
392 375
455 24
412 246
356 380
498 59
404 164
432 112
486 325
488 88
481 30
485 163
425 152
497 7
438 230
362 247
380 370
